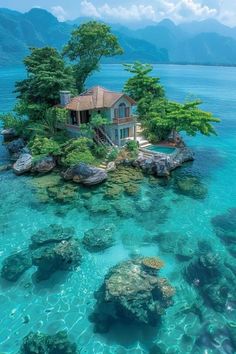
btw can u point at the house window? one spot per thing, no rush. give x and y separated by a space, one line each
124 133
122 108
74 118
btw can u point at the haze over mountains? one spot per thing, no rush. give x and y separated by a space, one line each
207 42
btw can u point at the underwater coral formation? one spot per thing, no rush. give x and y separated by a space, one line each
133 290
98 239
15 265
40 343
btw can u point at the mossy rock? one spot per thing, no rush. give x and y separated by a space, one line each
190 186
124 209
63 193
46 181
114 192
132 189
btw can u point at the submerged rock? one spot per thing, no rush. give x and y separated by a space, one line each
190 186
44 165
23 164
15 265
64 255
51 234
85 174
225 226
132 290
40 343
99 239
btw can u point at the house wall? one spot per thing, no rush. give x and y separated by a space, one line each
114 133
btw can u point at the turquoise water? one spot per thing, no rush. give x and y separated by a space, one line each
162 149
66 300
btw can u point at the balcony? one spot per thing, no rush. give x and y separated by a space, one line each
124 120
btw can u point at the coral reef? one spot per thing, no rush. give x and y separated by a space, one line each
40 343
54 256
190 186
225 226
98 239
15 265
51 234
133 291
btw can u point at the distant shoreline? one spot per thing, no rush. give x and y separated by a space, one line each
127 62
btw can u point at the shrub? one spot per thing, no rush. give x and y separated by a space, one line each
100 151
44 146
11 121
113 154
78 150
132 145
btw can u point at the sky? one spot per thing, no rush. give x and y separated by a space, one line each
128 11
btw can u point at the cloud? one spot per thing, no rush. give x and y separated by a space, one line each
129 13
59 12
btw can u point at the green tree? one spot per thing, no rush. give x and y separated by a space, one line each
165 117
142 85
47 74
88 44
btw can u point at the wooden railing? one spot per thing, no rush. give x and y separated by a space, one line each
123 120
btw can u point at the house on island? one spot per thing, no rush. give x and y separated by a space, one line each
116 107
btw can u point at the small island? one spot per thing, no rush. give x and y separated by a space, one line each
84 133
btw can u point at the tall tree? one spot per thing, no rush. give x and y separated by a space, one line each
88 44
47 74
142 84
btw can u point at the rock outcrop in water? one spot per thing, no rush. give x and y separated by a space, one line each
15 265
98 239
161 165
16 146
44 165
213 279
190 186
40 343
133 291
87 175
23 164
54 249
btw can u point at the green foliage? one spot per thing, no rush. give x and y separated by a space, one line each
47 74
98 120
44 146
78 150
159 116
100 151
88 44
113 154
132 145
164 117
17 123
142 84
48 126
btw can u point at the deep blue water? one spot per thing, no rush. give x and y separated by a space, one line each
66 304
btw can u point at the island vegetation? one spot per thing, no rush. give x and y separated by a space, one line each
40 123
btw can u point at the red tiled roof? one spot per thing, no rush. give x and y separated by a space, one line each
96 98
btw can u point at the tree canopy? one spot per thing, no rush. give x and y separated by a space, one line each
88 44
47 74
141 84
159 116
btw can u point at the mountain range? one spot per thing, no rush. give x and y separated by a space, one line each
207 42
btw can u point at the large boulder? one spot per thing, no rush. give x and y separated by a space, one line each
23 164
16 146
15 265
44 165
98 239
133 291
8 134
41 343
87 175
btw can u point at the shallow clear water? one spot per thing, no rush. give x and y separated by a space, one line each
66 300
163 149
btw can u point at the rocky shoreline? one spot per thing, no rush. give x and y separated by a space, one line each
159 165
